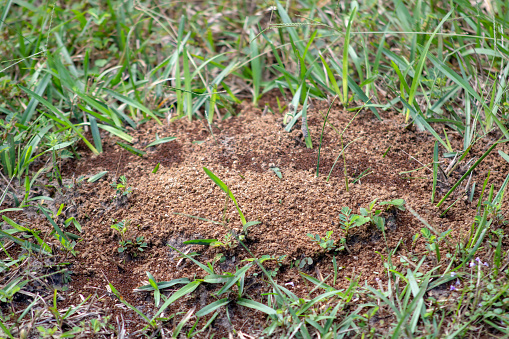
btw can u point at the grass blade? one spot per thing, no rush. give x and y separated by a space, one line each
257 306
212 307
55 226
95 134
117 294
467 173
435 171
133 103
160 141
227 191
188 97
420 65
238 275
177 295
345 55
418 118
321 137
98 176
305 129
131 149
256 68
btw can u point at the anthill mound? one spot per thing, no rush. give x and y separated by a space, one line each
245 152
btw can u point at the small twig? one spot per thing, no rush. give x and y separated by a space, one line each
453 162
408 261
423 165
8 183
118 165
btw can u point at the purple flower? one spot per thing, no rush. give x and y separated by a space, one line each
472 264
478 260
453 288
486 264
453 274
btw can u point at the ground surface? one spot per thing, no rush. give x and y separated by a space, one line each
242 152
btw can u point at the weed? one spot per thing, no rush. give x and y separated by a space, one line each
228 242
433 241
120 186
397 203
301 263
121 228
327 243
125 244
96 325
140 243
72 220
347 220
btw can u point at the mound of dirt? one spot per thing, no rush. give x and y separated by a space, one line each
245 152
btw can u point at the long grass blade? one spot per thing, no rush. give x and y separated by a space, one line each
422 60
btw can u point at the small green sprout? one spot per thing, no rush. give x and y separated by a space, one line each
347 220
327 243
124 243
121 186
433 241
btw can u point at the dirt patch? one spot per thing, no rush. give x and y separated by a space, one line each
243 151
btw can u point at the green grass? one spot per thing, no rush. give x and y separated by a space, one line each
101 67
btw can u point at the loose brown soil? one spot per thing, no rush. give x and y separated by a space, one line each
242 151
